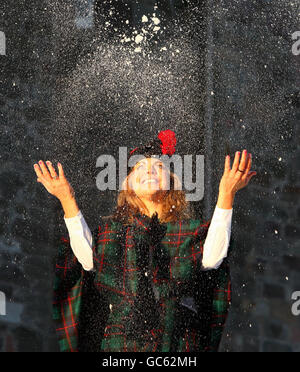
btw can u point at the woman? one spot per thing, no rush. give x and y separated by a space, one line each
150 277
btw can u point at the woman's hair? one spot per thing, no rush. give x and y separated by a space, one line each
175 205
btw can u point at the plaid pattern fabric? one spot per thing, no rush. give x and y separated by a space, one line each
192 304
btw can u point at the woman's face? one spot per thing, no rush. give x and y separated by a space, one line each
148 176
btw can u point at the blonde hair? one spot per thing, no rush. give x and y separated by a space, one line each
175 206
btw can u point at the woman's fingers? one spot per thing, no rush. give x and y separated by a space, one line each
248 167
45 171
51 169
48 177
244 162
236 162
227 164
38 171
61 171
241 165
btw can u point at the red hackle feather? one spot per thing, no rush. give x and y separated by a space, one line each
168 139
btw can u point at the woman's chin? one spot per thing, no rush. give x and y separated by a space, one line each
148 192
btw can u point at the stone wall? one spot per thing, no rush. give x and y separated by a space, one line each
27 213
256 107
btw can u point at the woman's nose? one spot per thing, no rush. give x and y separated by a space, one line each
151 170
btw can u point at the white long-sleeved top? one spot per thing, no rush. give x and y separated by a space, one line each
214 249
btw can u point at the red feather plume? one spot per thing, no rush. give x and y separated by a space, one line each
168 140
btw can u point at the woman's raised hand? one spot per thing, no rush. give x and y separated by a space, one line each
55 184
239 175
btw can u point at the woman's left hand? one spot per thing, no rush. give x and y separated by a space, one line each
239 176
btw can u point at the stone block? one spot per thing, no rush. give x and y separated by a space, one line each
290 193
292 232
292 262
274 291
28 340
275 330
276 347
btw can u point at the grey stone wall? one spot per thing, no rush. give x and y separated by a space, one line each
27 213
255 106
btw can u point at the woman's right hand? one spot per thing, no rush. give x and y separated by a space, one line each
56 185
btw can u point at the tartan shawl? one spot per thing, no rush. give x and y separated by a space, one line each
96 310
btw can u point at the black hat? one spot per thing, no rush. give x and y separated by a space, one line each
163 144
